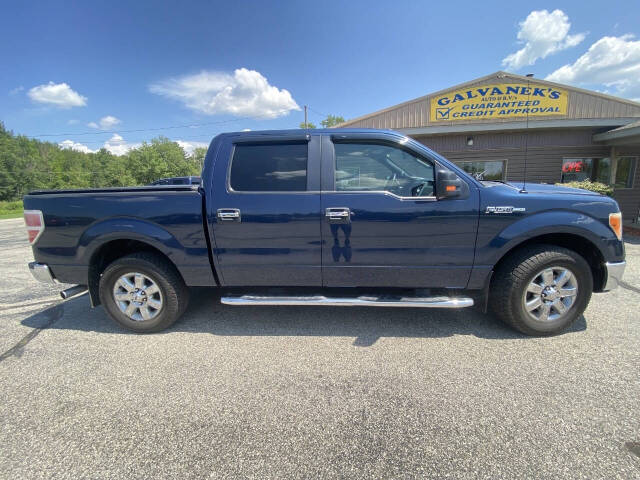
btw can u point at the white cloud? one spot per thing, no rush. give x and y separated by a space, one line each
245 93
118 146
189 147
72 121
109 121
57 94
105 123
542 34
611 61
71 145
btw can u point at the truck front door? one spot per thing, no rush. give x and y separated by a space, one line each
383 225
265 214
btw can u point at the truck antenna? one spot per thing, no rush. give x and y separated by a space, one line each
526 135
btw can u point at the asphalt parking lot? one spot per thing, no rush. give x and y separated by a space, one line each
312 392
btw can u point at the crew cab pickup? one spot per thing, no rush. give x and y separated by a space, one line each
337 217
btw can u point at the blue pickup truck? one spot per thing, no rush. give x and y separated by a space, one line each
331 217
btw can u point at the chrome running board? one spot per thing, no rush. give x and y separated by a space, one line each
363 301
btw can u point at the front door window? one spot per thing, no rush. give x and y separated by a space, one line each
374 167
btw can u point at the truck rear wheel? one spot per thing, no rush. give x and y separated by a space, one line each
541 289
143 292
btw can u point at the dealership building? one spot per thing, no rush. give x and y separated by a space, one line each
486 126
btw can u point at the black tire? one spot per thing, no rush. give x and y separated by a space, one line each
174 293
514 275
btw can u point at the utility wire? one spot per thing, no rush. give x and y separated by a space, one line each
190 125
318 113
129 141
207 136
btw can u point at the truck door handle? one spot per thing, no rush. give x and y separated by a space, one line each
229 215
338 215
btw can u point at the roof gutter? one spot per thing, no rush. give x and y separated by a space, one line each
520 125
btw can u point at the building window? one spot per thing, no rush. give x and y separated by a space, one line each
490 170
625 172
593 169
599 170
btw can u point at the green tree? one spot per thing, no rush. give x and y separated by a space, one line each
197 157
29 164
160 158
309 125
332 121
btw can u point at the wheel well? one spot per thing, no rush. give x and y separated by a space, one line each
111 251
578 244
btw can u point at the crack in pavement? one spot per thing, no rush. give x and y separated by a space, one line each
13 306
52 316
629 287
633 447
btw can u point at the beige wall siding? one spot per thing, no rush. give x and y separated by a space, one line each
415 113
513 140
545 151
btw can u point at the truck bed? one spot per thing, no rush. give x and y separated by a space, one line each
82 223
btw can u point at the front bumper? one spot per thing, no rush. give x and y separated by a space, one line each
41 272
614 274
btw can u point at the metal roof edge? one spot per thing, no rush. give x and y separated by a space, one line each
617 133
520 125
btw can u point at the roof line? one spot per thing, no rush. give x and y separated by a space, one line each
581 90
629 130
517 125
424 97
486 77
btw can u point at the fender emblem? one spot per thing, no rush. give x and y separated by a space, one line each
504 209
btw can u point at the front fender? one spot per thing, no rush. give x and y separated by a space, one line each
498 244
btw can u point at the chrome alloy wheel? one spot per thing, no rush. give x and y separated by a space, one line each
551 294
137 296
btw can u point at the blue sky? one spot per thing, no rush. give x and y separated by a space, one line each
105 67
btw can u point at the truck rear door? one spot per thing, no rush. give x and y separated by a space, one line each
265 213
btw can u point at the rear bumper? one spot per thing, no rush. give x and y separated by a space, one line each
615 271
41 272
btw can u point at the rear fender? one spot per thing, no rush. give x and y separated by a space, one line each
123 228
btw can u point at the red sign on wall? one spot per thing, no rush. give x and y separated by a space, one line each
573 167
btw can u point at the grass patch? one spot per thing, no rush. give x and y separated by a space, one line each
11 209
4 216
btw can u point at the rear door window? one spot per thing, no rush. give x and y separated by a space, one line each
280 167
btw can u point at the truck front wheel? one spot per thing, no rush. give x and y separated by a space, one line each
541 289
143 292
